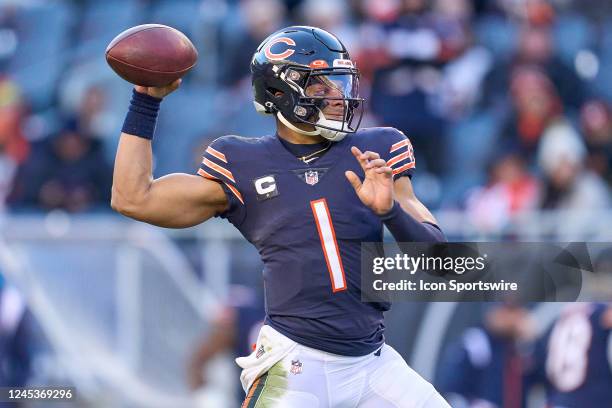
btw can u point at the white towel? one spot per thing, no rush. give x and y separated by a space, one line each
270 349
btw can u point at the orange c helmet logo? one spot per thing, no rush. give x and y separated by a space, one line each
276 57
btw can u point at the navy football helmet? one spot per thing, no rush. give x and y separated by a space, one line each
314 73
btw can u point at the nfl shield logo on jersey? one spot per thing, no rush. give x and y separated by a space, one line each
296 367
311 177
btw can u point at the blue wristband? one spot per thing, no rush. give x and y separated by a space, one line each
405 228
142 115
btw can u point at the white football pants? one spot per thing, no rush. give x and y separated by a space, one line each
309 378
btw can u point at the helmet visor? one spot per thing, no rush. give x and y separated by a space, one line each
335 94
336 85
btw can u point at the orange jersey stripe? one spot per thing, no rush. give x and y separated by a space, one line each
236 192
404 167
218 169
398 159
233 189
216 153
207 175
399 145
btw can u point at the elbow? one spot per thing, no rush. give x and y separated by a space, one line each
114 201
123 206
118 205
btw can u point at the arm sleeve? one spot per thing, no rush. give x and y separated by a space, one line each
405 228
217 166
399 154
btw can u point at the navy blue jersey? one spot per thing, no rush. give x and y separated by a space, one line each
307 223
578 366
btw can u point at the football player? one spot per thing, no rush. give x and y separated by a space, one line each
306 198
578 357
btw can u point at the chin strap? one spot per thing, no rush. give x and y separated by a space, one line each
291 126
333 135
329 134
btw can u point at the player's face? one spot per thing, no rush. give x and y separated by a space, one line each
332 89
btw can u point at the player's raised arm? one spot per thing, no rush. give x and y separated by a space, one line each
394 202
173 201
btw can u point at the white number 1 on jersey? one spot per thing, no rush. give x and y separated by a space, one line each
320 210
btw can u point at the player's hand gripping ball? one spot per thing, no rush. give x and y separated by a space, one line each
151 55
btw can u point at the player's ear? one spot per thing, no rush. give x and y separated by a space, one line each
278 93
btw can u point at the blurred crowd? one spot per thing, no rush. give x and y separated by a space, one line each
503 360
507 102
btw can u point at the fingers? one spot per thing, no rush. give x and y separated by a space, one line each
387 171
159 92
353 179
356 152
366 158
164 91
370 155
379 166
376 163
174 86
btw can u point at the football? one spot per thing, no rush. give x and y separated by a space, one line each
151 55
